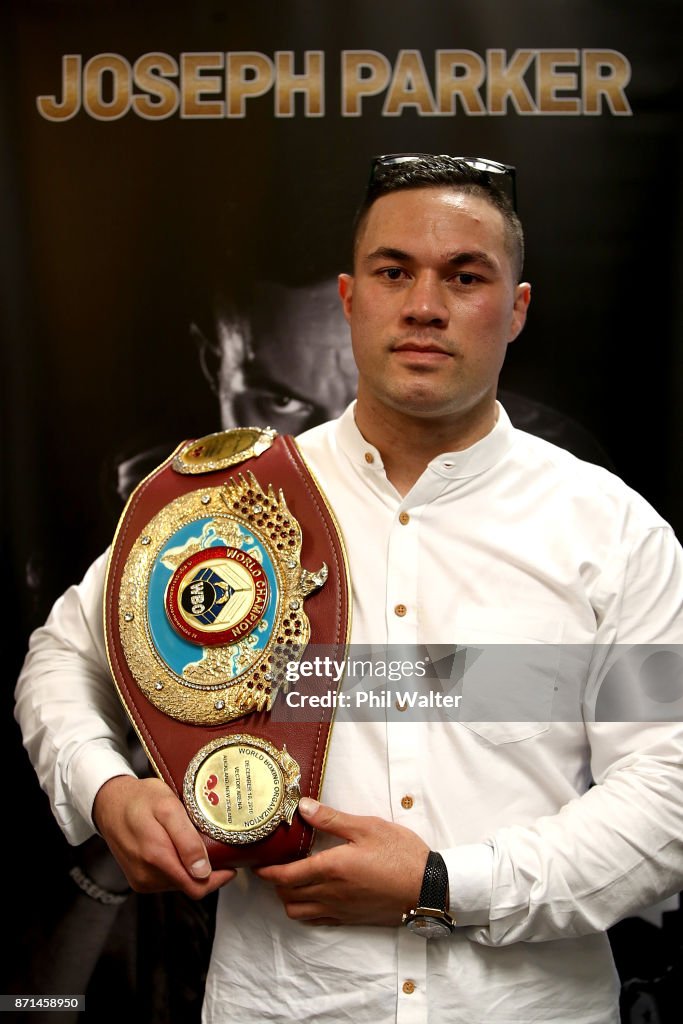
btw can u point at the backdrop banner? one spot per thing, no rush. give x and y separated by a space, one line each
177 185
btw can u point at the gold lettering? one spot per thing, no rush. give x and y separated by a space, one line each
507 80
249 74
150 73
109 64
53 109
549 81
216 85
606 73
459 73
196 85
409 87
310 82
356 83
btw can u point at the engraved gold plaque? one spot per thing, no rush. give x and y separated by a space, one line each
223 449
239 788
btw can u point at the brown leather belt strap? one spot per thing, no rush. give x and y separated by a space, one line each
171 744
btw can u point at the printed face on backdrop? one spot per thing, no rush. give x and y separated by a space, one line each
287 363
432 303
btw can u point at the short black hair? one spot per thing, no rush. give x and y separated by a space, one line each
438 171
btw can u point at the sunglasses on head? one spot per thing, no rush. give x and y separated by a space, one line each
504 175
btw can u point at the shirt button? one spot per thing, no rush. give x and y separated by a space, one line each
404 519
409 987
400 610
400 706
407 803
369 457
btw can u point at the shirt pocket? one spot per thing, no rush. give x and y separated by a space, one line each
511 672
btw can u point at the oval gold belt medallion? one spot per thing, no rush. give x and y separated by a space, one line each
212 602
239 788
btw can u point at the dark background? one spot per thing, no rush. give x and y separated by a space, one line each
115 234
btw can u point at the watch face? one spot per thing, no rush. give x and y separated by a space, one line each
428 927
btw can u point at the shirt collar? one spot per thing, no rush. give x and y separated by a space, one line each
469 462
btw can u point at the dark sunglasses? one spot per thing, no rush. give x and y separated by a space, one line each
504 175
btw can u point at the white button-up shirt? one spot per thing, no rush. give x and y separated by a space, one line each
554 821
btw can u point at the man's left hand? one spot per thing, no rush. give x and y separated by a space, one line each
373 878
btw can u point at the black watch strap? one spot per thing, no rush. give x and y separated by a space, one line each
434 891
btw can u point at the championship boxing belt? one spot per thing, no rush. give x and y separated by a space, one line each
207 611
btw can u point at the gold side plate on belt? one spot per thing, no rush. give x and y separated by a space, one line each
239 788
223 449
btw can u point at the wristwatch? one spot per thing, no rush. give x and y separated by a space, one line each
430 918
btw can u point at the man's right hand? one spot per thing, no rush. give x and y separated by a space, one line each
157 846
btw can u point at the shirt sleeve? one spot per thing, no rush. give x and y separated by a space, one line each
617 847
73 724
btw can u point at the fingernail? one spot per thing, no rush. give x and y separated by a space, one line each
308 806
201 868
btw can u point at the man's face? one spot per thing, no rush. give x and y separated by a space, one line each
432 304
288 365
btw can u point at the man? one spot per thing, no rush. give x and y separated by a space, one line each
459 530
